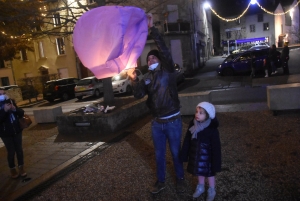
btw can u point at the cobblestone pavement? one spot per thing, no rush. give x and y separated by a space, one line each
261 160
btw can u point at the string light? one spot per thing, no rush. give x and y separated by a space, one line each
243 13
282 13
230 19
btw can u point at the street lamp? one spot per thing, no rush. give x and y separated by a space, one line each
206 5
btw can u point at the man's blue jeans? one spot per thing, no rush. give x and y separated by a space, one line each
273 65
161 132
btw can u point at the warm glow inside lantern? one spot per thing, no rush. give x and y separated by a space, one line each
109 39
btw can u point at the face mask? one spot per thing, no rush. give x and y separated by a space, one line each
153 66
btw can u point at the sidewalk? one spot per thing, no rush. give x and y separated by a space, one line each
260 160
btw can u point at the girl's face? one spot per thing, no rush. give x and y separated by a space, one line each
200 114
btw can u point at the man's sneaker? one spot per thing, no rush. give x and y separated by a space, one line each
180 186
199 190
159 186
211 193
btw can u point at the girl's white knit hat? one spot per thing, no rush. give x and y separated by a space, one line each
210 109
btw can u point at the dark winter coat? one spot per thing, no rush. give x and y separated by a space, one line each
160 84
9 125
285 53
204 153
273 55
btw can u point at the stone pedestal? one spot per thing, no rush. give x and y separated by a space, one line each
47 115
283 97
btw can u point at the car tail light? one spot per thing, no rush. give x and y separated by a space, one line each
91 86
56 88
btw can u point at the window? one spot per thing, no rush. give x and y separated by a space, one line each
266 26
288 19
245 57
228 34
4 81
23 55
252 28
60 45
56 19
260 17
2 65
41 49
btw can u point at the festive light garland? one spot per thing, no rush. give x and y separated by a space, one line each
243 13
220 17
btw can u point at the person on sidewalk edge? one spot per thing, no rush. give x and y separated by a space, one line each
285 56
159 83
201 148
11 134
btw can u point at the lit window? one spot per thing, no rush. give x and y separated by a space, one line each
23 55
252 28
41 49
56 19
266 26
60 45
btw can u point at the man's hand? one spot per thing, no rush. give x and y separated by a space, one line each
150 20
131 73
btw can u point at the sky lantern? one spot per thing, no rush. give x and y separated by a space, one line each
109 39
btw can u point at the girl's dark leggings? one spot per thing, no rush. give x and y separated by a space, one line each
13 146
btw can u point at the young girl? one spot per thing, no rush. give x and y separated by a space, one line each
202 149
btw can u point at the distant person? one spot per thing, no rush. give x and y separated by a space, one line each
11 134
159 84
266 63
273 59
201 148
253 60
285 56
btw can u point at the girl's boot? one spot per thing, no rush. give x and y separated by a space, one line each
199 190
22 171
266 71
211 193
13 173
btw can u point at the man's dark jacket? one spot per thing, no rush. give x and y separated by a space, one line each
159 84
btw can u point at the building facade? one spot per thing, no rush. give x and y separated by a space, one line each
185 25
275 29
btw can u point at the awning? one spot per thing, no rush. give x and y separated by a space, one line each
250 40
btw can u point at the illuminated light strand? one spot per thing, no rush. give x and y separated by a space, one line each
230 19
243 13
272 13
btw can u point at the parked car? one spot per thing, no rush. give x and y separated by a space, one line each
260 46
89 86
61 88
121 83
241 63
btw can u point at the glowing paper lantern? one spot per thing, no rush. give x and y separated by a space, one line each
109 39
